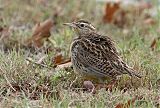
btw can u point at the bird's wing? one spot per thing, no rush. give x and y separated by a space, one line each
110 54
94 58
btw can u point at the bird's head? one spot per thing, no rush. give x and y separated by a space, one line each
81 27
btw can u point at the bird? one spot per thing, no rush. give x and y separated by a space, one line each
94 55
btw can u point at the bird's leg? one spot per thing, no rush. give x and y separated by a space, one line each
103 84
73 82
111 85
113 82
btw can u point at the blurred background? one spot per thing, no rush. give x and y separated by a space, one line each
30 24
19 19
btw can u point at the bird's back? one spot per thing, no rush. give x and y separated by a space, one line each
94 54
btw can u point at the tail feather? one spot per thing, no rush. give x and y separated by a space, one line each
132 72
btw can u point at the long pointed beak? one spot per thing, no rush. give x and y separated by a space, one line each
70 24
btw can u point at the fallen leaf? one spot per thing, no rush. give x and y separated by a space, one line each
129 103
120 18
1 29
110 10
154 43
62 66
41 31
120 13
65 61
149 21
4 33
57 59
60 63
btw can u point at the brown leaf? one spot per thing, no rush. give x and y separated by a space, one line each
4 33
65 65
129 103
154 43
110 10
60 63
57 59
1 29
149 21
120 18
41 31
66 61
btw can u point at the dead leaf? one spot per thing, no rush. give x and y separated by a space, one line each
121 14
1 29
57 59
65 65
154 43
115 14
149 21
129 103
4 33
41 31
110 10
120 18
66 61
59 62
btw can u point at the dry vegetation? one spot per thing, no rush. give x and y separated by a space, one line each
35 69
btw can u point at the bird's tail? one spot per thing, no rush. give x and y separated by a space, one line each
132 72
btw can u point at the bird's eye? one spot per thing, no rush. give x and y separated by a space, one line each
82 25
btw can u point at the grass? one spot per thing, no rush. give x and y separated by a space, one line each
27 85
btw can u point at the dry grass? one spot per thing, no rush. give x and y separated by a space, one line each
24 84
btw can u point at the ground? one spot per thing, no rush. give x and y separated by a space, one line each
25 83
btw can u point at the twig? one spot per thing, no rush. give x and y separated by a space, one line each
73 82
9 82
39 64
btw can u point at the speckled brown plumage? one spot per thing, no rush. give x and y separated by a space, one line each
95 55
